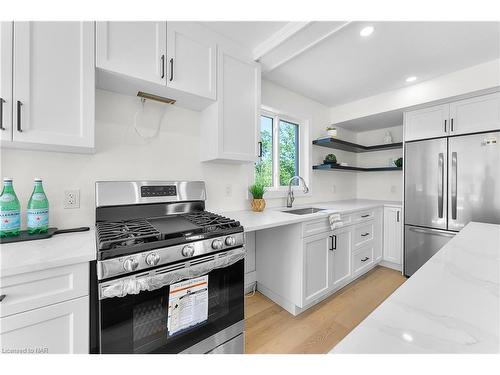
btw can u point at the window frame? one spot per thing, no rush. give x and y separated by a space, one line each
277 191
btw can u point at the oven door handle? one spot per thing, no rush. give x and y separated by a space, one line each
168 275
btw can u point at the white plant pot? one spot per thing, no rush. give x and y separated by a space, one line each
332 133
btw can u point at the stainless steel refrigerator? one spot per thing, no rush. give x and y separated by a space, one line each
448 183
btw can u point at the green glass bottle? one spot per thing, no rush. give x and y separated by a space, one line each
37 215
10 215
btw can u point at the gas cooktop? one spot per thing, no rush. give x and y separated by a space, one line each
123 237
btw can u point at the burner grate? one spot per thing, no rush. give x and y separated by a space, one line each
125 233
211 222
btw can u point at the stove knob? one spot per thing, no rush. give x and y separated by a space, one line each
217 244
130 264
230 241
152 259
188 251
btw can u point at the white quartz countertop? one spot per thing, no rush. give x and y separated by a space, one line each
59 250
450 305
273 217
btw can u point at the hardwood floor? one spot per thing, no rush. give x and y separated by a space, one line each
271 329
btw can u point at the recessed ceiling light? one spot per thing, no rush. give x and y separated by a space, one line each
366 31
411 79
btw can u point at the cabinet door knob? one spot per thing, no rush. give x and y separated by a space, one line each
2 297
365 259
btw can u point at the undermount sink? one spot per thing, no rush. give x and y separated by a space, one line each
304 211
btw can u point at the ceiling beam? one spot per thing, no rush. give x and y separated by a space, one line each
299 42
277 38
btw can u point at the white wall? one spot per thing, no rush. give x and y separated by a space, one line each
121 154
475 78
325 185
379 185
173 155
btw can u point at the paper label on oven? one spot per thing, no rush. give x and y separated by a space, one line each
187 304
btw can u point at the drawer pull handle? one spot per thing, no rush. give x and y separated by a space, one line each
2 297
365 259
365 234
365 215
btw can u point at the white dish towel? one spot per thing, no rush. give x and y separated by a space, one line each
335 221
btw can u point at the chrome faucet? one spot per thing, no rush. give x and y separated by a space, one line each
290 198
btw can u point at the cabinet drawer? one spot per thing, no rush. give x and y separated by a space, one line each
311 228
358 217
62 328
363 233
362 259
41 288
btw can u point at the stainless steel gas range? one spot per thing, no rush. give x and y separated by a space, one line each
169 275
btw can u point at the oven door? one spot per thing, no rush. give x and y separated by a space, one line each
163 311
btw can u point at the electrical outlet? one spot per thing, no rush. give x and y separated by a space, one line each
393 189
334 189
72 199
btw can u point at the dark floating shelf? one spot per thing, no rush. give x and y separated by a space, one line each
332 167
339 144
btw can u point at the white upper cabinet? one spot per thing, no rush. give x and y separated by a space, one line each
230 126
477 114
427 123
191 59
6 80
473 115
393 243
53 84
134 49
178 58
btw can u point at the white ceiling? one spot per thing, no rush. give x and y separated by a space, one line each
247 33
343 66
346 67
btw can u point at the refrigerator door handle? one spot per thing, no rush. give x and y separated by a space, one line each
433 231
454 186
440 184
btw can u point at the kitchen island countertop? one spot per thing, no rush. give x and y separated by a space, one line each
450 305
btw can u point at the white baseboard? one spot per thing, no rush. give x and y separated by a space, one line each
250 280
394 266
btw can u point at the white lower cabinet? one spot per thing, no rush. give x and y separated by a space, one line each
317 266
393 233
46 311
297 269
341 256
54 329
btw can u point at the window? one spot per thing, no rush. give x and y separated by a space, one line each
282 151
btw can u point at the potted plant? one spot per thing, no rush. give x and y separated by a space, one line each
258 202
331 131
330 159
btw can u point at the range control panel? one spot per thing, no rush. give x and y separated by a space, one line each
158 191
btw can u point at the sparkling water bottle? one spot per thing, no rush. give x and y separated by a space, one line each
10 216
37 219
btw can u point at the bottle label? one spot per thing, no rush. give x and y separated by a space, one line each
38 197
7 197
10 220
37 218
